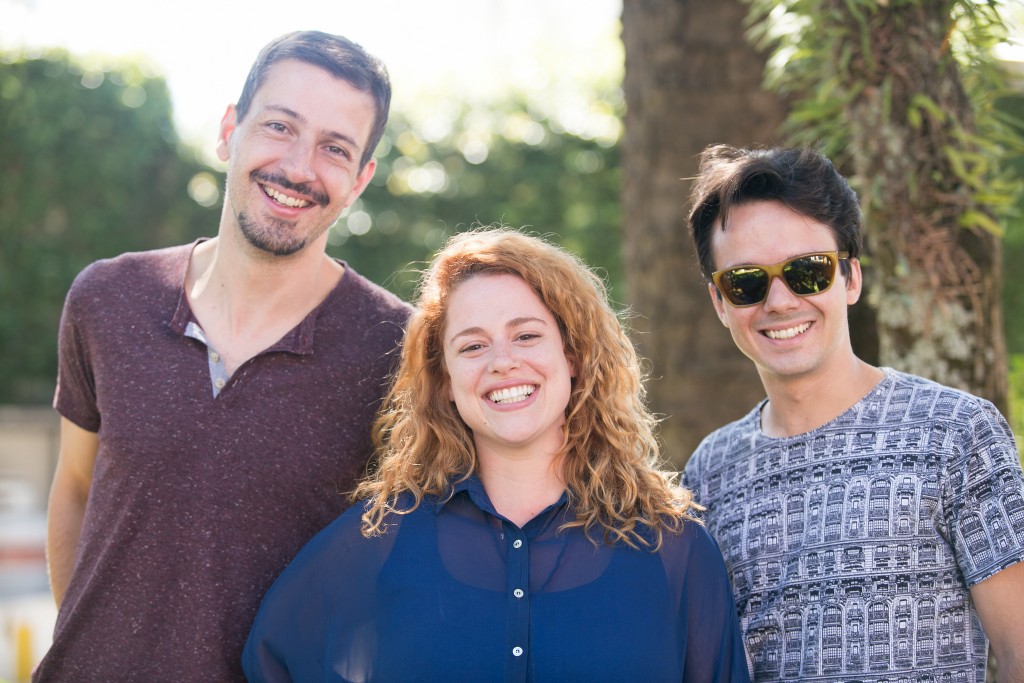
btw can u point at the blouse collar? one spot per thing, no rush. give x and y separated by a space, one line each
471 487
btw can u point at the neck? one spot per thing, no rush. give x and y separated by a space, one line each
259 282
801 404
245 305
520 487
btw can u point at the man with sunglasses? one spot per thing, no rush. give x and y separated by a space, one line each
872 521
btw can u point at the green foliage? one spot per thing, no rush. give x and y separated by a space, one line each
817 43
1012 109
908 98
91 168
1016 413
506 165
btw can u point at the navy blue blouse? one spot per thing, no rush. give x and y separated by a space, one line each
455 592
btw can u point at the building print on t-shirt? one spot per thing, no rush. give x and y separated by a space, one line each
848 546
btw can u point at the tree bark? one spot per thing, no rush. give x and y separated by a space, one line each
938 282
691 80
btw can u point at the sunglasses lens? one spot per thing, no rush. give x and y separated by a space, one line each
804 275
809 274
744 286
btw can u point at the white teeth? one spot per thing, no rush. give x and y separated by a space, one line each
512 394
787 333
284 199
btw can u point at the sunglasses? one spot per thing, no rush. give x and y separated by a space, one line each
804 275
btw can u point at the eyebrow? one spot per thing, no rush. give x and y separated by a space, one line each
515 322
761 264
333 134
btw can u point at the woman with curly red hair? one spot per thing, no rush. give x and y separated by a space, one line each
517 525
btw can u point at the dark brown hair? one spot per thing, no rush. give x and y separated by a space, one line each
804 180
337 55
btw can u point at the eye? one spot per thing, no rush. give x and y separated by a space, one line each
338 151
527 336
277 127
470 348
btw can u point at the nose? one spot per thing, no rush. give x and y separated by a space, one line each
779 296
503 358
297 164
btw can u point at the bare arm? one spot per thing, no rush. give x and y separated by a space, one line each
999 600
68 495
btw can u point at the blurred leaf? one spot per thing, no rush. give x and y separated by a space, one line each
92 168
535 176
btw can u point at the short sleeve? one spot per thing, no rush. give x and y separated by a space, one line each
75 396
983 493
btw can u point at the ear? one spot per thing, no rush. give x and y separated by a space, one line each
362 180
573 364
719 303
854 283
227 126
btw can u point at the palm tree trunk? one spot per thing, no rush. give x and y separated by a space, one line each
938 282
691 80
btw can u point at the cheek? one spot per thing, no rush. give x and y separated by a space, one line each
740 326
461 383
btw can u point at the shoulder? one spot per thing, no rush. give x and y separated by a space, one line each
130 274
335 569
154 264
367 317
692 543
341 543
694 534
924 389
346 528
945 405
737 429
725 440
370 298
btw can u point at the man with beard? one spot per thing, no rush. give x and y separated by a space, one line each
216 398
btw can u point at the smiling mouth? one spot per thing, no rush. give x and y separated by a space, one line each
283 199
787 333
512 394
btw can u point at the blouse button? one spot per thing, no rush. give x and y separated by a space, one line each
214 356
219 383
518 592
517 543
517 651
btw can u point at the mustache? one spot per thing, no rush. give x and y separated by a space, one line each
298 188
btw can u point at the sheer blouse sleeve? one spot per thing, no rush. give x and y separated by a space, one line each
323 591
707 609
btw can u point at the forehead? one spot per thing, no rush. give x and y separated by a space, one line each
766 232
314 93
494 297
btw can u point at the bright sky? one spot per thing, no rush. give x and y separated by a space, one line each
434 49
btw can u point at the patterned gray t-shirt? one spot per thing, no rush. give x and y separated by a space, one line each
852 547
